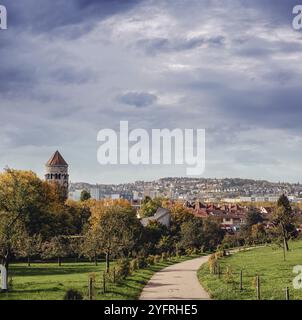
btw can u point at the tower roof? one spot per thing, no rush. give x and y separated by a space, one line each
56 160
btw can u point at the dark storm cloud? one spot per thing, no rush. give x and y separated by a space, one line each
137 99
157 45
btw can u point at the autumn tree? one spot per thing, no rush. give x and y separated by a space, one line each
57 247
91 245
23 200
118 231
29 246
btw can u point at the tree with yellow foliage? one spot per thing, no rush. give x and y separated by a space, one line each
23 196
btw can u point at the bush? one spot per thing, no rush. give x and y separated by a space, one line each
212 263
72 294
157 259
122 268
189 251
134 265
142 263
151 260
164 256
229 276
220 254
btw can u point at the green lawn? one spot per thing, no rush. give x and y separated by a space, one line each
267 262
48 281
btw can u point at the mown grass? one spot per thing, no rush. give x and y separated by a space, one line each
48 281
267 262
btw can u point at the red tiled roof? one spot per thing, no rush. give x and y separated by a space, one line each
56 160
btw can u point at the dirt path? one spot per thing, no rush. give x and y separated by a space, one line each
176 282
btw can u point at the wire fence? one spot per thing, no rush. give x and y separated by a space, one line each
241 284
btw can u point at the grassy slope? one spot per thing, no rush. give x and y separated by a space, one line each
267 262
48 281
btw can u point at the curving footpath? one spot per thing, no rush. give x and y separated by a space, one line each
177 282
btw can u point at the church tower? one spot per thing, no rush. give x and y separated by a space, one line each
57 170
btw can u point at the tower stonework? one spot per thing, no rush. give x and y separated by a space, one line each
57 170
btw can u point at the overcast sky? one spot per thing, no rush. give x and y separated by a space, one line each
70 68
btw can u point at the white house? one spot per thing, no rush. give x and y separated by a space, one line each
162 216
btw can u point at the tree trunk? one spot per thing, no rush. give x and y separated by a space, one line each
28 261
95 260
4 277
4 273
107 262
286 248
59 261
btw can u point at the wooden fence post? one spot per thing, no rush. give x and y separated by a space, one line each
104 282
218 267
90 288
258 288
241 284
113 274
286 293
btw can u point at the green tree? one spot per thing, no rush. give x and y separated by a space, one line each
212 233
283 218
253 217
191 234
118 232
152 234
85 195
149 207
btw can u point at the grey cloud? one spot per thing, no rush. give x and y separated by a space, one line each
45 16
158 45
137 99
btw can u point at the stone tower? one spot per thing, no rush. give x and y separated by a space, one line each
57 170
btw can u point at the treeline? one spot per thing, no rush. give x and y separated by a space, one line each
36 222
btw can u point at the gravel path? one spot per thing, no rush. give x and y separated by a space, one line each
176 282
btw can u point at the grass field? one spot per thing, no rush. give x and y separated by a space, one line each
48 281
267 262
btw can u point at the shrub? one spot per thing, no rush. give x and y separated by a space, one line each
122 268
220 254
213 263
151 260
164 256
142 263
189 251
228 276
72 294
157 258
134 265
